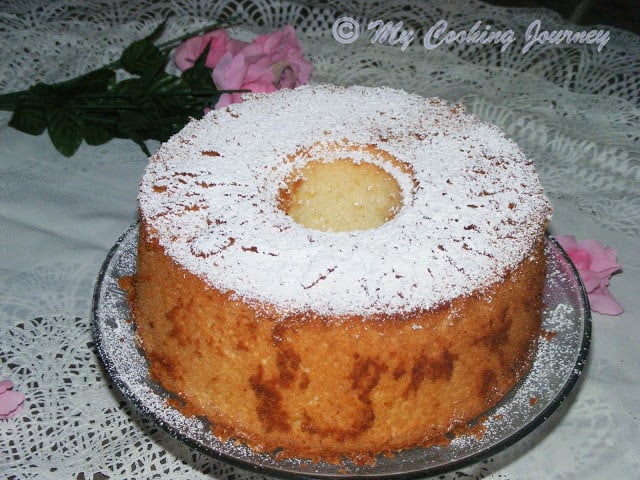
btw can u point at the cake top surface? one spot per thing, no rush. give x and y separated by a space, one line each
472 203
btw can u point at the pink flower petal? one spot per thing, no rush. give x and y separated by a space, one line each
11 402
595 264
259 79
288 78
567 241
219 44
602 301
270 62
227 99
230 72
5 385
606 262
580 258
187 53
590 280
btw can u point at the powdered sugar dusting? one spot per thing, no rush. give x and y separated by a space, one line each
560 357
472 207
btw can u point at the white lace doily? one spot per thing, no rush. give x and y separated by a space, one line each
574 110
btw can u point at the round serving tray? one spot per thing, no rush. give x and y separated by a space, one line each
561 355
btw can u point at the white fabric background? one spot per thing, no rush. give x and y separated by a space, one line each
573 109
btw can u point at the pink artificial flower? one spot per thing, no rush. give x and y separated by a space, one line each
243 71
270 62
595 264
11 402
219 43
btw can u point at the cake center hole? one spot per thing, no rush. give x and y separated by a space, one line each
340 195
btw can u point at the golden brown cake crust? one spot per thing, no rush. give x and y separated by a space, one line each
318 387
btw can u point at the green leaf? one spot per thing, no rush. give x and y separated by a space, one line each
99 81
130 87
129 129
165 84
142 57
29 119
136 121
65 131
155 35
10 101
198 77
95 134
96 81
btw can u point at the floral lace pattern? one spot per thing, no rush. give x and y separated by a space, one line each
572 108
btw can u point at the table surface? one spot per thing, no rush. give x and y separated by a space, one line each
573 108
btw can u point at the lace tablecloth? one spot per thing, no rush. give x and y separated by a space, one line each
573 108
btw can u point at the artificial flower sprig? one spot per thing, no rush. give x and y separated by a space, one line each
96 108
595 264
152 104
